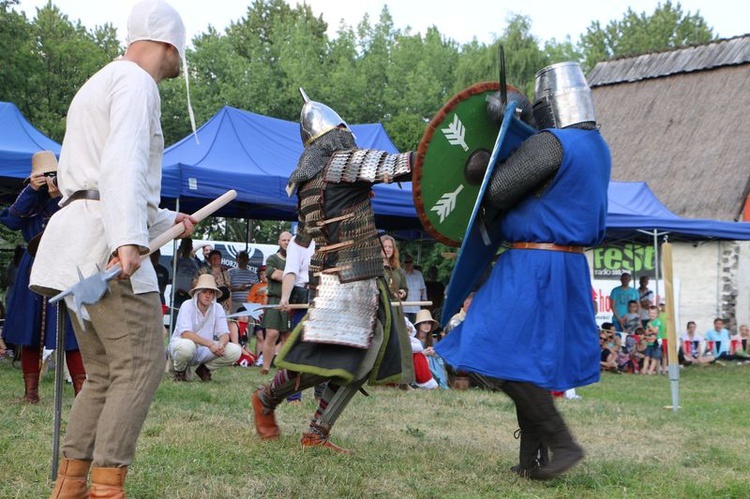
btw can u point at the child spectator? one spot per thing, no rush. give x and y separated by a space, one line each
632 318
653 353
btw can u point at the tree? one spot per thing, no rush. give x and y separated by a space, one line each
667 28
46 61
16 56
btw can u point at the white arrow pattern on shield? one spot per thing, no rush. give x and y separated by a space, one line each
455 133
447 203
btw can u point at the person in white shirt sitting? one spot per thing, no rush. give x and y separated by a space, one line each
201 333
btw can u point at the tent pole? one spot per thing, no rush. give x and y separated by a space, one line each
656 262
174 275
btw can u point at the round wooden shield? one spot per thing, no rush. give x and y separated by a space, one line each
451 160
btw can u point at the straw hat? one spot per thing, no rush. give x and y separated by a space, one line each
42 162
424 315
205 281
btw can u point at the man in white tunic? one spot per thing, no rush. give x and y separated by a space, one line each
201 333
110 179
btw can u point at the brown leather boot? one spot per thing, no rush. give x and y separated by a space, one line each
265 419
31 394
318 437
107 483
78 380
71 480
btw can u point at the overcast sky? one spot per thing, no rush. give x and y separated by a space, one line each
461 20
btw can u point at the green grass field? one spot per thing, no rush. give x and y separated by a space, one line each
199 442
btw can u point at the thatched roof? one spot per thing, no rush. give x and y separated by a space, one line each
680 121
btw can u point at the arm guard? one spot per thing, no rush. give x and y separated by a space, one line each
368 165
528 168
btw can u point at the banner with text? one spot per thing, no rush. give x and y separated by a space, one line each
609 262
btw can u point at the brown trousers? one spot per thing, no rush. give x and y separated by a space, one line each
123 351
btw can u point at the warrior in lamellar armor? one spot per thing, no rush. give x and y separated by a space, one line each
350 335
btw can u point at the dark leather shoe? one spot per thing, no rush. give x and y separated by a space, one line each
179 376
203 372
265 419
563 458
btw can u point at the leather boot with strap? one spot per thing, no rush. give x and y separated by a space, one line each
72 480
108 483
543 420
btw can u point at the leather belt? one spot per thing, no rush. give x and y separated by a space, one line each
84 194
548 247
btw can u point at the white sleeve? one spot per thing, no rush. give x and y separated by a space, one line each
184 319
294 255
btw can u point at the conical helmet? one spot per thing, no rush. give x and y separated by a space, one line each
562 96
316 119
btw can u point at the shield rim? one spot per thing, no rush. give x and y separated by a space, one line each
424 143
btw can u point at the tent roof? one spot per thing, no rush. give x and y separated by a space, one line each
255 155
676 120
19 141
634 212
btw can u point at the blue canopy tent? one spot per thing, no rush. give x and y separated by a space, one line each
635 213
19 140
255 155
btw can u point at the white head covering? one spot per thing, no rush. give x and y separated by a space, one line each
157 21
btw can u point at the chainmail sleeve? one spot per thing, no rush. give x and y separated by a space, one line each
534 163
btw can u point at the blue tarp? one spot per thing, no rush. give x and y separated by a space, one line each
255 155
19 140
634 210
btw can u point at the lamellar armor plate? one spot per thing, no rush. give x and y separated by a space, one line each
336 211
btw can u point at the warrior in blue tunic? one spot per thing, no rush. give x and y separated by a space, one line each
531 327
31 322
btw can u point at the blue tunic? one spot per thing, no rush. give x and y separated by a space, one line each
534 320
27 310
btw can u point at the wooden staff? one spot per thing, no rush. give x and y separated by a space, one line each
672 358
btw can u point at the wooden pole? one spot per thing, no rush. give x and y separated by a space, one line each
672 358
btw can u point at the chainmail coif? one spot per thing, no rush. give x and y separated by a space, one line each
317 154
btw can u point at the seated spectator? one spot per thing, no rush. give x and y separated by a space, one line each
426 327
693 348
422 374
608 358
199 322
718 341
742 337
238 334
